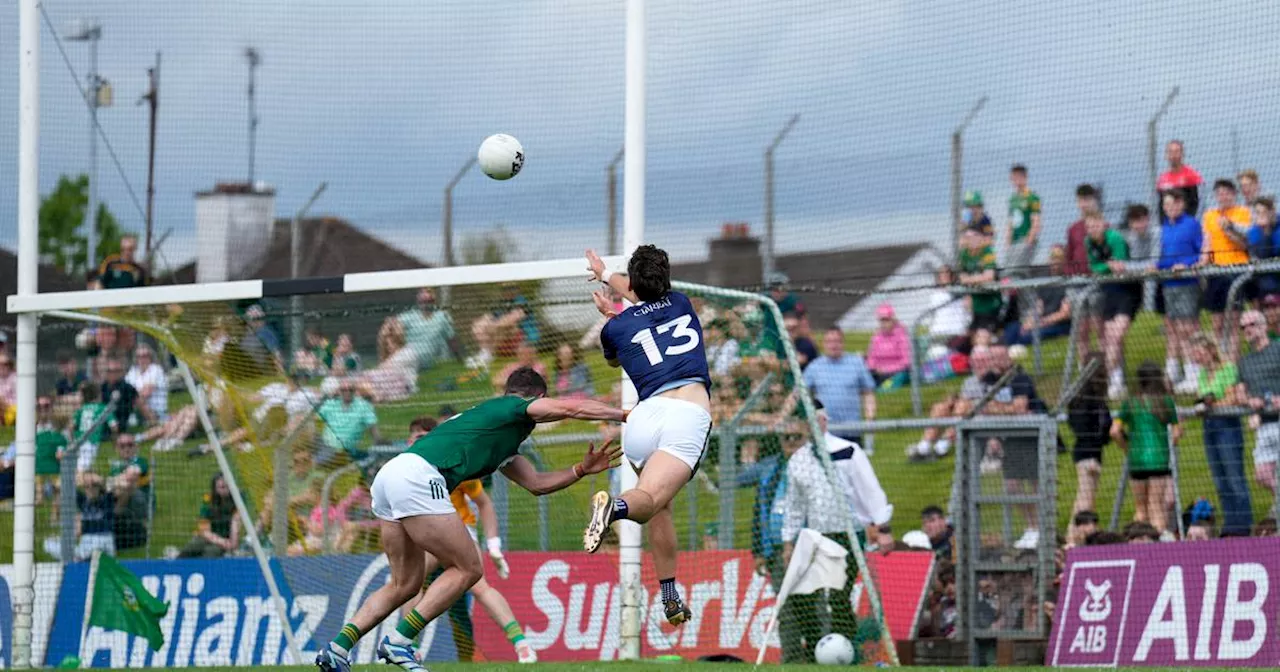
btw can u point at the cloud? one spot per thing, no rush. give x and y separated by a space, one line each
385 101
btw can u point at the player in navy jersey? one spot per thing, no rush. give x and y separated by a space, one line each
658 342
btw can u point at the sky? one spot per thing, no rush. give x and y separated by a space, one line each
385 100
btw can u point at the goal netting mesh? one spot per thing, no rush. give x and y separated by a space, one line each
308 396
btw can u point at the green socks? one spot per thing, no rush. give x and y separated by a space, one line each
409 627
514 633
346 639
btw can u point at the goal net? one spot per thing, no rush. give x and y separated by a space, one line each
294 403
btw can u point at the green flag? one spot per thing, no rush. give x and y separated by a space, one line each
120 602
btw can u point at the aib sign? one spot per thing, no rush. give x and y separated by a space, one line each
1096 595
1170 605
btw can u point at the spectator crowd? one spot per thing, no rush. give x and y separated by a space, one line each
112 394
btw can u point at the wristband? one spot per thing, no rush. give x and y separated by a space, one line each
495 545
577 475
605 275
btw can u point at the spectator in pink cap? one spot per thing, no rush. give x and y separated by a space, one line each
889 354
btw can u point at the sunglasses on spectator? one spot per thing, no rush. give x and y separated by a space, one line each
1251 323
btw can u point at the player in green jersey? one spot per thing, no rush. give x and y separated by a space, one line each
416 515
1022 233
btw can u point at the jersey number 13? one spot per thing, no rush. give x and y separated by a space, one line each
686 339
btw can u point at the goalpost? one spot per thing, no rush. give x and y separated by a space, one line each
184 329
203 307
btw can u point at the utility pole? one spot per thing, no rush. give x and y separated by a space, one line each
255 60
957 171
1152 164
612 197
152 98
97 95
769 251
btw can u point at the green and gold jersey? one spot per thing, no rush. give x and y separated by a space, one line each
985 303
1021 209
477 441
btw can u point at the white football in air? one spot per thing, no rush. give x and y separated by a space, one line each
501 156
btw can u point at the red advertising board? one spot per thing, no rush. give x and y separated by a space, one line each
569 604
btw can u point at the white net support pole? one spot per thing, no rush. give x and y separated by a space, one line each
251 532
633 195
819 442
24 515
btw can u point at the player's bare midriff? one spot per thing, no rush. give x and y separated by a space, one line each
694 393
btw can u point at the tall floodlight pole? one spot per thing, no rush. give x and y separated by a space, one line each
91 31
24 497
280 515
255 59
1235 151
1153 169
633 223
295 265
957 170
152 99
446 222
769 250
611 193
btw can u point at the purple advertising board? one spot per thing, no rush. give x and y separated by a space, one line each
1183 604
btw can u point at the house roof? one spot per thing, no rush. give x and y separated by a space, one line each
851 270
330 246
49 279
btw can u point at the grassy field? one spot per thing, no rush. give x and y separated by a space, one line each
180 482
656 666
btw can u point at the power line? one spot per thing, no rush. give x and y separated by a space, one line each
84 96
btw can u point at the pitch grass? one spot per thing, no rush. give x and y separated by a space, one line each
657 666
180 482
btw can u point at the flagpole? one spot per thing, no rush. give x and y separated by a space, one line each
764 642
88 603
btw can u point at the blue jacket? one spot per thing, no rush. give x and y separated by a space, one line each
770 478
1264 245
1180 243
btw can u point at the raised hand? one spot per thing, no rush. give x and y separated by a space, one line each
596 461
603 304
595 265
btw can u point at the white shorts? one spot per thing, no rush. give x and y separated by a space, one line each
674 426
1267 448
88 453
408 485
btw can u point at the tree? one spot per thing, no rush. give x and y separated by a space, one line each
495 246
62 239
491 247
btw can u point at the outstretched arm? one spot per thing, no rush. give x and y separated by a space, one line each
521 471
551 410
617 281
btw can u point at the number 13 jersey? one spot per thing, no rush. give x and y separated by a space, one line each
659 345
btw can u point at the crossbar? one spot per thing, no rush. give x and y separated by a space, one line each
350 283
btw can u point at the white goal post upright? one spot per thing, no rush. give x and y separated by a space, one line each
24 512
633 196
